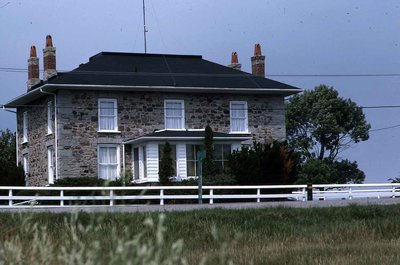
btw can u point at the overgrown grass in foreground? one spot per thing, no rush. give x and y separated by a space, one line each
349 235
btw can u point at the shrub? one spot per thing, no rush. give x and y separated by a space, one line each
264 164
166 169
80 182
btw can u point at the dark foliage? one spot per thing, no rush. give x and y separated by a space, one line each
209 169
10 173
264 164
166 169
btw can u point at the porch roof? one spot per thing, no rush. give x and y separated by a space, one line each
187 135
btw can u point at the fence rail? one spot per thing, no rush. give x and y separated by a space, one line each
101 196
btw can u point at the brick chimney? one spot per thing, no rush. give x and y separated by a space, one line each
33 69
258 62
235 62
49 59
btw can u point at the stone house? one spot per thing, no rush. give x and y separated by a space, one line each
114 113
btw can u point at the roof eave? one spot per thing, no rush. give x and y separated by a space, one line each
36 93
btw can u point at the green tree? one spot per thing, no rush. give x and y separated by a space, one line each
166 169
10 173
326 172
209 168
320 125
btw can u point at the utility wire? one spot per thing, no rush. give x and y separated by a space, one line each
23 70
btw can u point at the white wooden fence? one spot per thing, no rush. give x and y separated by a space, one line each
101 196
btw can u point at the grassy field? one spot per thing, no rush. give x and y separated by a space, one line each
348 235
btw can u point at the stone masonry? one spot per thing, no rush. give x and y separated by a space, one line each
140 113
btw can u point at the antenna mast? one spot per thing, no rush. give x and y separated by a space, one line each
144 28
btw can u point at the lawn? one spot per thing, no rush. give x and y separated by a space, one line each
347 235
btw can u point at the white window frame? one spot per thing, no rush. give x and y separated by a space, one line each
246 120
25 161
108 100
182 102
50 164
118 159
49 117
25 127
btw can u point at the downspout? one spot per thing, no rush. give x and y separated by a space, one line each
123 161
55 127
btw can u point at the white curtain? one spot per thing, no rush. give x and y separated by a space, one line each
108 163
174 115
107 115
238 117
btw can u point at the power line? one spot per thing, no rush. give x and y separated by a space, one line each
385 128
23 70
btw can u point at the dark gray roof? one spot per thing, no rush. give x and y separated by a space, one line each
155 72
137 69
187 135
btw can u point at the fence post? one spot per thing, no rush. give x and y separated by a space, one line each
10 194
309 192
211 196
350 192
394 192
61 198
258 194
111 197
161 197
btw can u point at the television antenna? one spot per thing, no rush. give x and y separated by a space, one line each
144 28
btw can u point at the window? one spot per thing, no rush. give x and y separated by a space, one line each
173 156
50 164
108 159
25 127
108 115
191 159
238 111
49 117
221 154
174 111
139 165
26 167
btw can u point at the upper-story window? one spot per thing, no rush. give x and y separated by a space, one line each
238 113
108 115
25 127
49 117
174 114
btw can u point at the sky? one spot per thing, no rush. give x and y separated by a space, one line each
352 45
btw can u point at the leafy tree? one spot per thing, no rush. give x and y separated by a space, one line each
209 168
326 172
272 163
10 173
320 125
166 169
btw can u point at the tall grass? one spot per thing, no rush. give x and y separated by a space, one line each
348 235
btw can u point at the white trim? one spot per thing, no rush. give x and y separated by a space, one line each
50 164
182 102
24 127
155 138
49 117
115 115
246 121
117 146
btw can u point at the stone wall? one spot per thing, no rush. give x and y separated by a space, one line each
140 113
38 140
